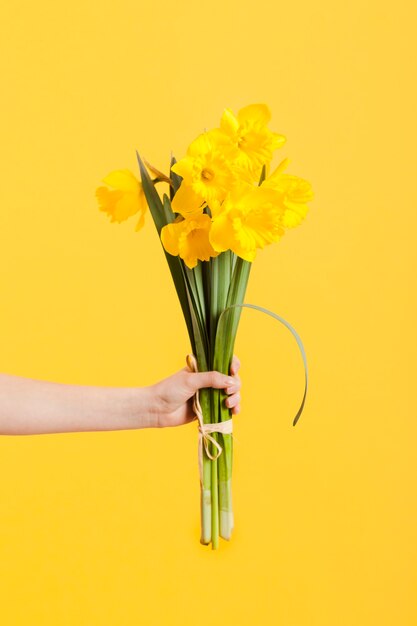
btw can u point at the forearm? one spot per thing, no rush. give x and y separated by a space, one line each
29 407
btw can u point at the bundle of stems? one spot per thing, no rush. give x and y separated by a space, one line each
210 295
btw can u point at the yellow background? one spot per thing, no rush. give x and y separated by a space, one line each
103 528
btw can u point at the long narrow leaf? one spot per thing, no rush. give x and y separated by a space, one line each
169 215
176 180
159 215
222 324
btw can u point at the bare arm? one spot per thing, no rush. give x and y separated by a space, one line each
30 407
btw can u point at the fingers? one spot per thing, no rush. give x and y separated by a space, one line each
233 401
235 387
234 368
200 380
231 384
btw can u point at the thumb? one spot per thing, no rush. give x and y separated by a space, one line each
199 380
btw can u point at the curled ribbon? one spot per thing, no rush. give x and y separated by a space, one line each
205 430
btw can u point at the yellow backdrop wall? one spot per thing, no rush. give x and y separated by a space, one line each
103 528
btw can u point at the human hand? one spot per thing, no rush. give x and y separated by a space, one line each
173 396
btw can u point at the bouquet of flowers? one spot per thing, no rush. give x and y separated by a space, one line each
223 204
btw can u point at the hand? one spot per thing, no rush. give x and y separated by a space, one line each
173 395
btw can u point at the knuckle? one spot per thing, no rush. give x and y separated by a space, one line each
189 381
213 378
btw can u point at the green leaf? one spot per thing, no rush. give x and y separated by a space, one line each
226 333
152 197
263 176
176 180
161 217
169 214
221 335
199 285
199 326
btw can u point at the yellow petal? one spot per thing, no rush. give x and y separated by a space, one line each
193 242
259 228
126 206
254 112
186 201
184 168
229 123
247 255
294 193
170 235
271 178
125 200
222 235
109 202
107 199
215 208
122 179
298 189
276 140
294 214
250 218
201 145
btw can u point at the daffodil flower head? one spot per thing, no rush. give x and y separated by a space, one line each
254 142
189 238
249 218
125 199
207 167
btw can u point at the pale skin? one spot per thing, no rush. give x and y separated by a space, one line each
34 407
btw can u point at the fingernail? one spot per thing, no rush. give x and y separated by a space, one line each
229 381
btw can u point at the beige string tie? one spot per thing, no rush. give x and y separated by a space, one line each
205 430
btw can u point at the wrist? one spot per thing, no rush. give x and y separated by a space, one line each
143 407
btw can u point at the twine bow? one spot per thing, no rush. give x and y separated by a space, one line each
205 430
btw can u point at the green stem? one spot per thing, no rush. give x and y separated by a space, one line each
205 496
214 292
214 487
222 360
221 363
200 345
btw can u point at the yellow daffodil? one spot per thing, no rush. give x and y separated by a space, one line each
293 192
248 131
125 199
249 218
207 168
186 201
189 238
